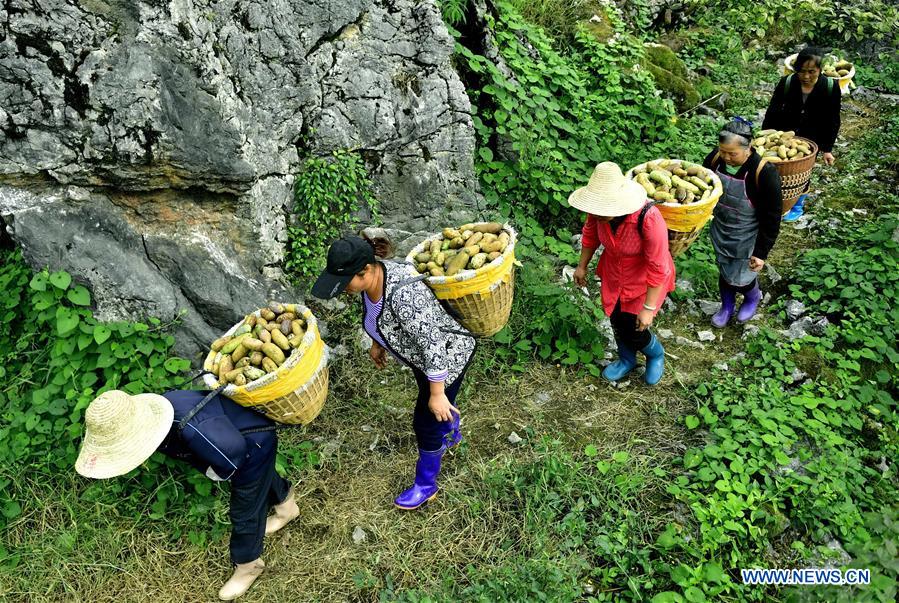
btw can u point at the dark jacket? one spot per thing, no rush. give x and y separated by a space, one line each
764 195
212 439
417 328
818 119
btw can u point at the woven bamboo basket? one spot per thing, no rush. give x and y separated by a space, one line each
483 297
685 222
795 175
296 392
844 81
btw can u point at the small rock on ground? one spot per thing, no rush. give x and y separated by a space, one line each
359 535
706 336
514 438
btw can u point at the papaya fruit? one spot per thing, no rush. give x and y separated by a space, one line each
225 367
274 352
240 380
296 327
267 314
491 227
276 308
459 261
423 258
493 256
219 343
239 353
230 376
265 336
474 239
477 261
256 358
210 358
269 365
280 340
252 344
245 361
252 373
451 233
232 345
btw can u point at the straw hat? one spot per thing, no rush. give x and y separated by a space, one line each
122 432
608 194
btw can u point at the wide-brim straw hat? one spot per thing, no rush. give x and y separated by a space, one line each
609 193
122 431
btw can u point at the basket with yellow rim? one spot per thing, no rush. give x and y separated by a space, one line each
685 220
482 298
839 69
293 394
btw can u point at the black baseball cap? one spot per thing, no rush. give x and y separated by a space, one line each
346 257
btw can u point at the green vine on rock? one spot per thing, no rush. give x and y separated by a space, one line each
328 195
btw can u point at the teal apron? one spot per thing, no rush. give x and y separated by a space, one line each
734 230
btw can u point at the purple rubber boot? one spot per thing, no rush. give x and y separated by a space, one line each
728 305
750 303
425 487
454 437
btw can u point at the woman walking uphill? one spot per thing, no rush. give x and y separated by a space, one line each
635 268
809 105
402 316
746 219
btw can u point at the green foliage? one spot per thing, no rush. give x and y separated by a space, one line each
880 75
541 132
552 322
561 19
55 357
453 11
328 194
698 265
822 22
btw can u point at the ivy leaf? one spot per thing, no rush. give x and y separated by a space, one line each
101 333
692 421
61 280
176 365
590 450
39 281
79 296
486 154
66 320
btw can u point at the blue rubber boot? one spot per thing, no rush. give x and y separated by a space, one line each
425 486
797 210
655 360
627 361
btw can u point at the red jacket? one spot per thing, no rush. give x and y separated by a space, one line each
630 264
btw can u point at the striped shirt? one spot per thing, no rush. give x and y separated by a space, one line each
372 312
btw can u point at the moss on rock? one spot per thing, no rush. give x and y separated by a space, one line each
674 87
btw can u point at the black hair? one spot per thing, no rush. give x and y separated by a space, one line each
737 130
382 245
809 53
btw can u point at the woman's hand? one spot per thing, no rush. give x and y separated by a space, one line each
580 276
644 319
829 158
755 264
378 354
441 407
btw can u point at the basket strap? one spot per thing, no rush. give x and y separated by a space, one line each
193 411
642 217
758 170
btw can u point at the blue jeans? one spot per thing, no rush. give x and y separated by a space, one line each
429 432
251 498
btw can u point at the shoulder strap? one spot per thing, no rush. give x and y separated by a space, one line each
193 411
416 279
758 170
715 159
829 85
787 84
642 217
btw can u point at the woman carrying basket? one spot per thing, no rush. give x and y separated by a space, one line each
220 438
635 268
401 315
809 105
746 219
